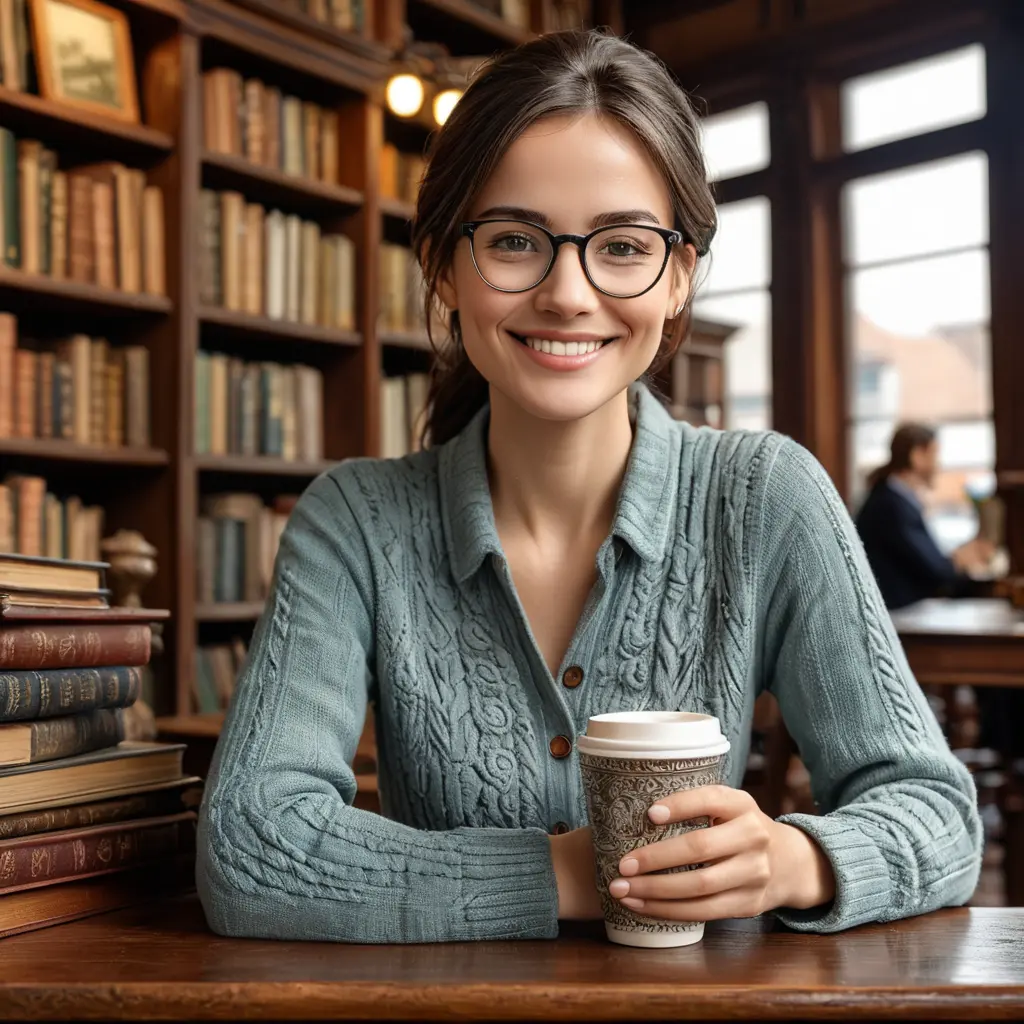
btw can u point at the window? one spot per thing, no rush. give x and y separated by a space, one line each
916 249
736 294
736 141
914 98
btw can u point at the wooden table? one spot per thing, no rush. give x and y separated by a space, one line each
160 961
972 641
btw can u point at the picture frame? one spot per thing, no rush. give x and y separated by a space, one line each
84 58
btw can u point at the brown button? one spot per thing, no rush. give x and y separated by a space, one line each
572 677
559 828
560 746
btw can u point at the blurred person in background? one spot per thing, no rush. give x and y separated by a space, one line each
903 554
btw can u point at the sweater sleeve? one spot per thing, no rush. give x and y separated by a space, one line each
898 812
282 853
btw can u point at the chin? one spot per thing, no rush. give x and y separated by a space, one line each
563 401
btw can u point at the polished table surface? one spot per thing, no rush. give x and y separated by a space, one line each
160 961
988 617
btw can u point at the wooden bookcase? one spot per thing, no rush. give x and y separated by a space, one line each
158 489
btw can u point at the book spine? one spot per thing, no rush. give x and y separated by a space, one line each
52 692
100 812
73 734
73 646
50 859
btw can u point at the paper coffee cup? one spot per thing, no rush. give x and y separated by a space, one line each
630 760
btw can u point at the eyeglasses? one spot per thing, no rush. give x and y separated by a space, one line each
622 260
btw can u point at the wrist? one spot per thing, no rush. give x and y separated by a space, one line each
803 871
572 858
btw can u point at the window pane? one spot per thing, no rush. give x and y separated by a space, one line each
748 372
736 141
914 98
934 207
918 298
741 251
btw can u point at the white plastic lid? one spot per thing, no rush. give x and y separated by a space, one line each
654 734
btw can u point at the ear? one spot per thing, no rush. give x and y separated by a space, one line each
446 290
681 266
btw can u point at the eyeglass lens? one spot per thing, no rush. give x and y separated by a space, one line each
621 261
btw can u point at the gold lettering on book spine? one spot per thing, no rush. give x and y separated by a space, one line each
12 696
7 648
104 851
90 687
39 863
93 646
80 854
67 690
8 867
68 648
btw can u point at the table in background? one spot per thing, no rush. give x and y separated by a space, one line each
160 960
973 642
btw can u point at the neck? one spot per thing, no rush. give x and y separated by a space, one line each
910 478
554 482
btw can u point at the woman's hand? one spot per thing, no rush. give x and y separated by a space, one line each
752 864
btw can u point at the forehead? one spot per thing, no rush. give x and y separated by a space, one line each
573 168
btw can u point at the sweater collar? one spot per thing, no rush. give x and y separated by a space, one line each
645 499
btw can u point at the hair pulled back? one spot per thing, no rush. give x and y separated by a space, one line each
905 441
571 72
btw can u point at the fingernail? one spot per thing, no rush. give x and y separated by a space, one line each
633 903
630 866
658 813
620 887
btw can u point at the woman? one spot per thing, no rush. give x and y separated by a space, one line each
903 555
565 548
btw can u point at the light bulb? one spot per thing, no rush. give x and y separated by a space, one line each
404 95
444 104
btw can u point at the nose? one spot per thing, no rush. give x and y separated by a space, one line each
566 290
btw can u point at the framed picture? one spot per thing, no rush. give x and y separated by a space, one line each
83 53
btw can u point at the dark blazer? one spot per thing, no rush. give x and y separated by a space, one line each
904 558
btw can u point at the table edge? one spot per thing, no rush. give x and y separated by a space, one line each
283 1001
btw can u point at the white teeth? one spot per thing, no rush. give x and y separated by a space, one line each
563 348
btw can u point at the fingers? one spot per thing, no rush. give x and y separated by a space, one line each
700 846
705 801
746 869
734 903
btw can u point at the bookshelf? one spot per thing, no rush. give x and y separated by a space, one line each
161 488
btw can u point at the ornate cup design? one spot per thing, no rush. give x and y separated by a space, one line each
619 793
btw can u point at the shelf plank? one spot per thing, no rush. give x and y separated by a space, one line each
59 450
400 209
66 294
462 23
260 465
406 339
25 113
229 611
224 170
233 322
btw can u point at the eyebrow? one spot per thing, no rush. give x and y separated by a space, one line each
601 220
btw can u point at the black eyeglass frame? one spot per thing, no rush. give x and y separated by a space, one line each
670 235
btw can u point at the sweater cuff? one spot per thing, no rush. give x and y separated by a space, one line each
508 883
861 873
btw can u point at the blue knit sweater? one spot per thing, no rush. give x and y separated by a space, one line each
731 568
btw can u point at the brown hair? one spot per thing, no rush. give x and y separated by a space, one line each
563 72
907 438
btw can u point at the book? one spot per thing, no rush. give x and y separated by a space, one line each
73 645
46 693
116 771
35 861
166 798
41 598
50 738
41 613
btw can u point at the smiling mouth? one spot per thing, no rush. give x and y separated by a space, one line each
561 348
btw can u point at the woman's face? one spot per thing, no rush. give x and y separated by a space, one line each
570 175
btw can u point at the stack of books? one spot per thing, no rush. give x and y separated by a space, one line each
89 821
